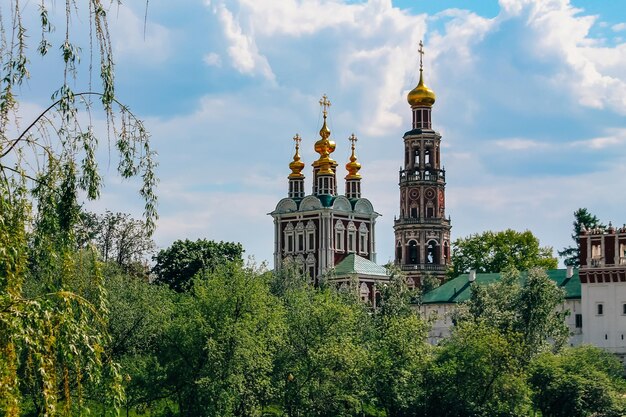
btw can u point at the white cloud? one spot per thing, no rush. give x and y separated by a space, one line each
620 27
242 48
139 41
213 60
519 144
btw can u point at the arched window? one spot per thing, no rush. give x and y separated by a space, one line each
413 253
431 253
399 252
416 157
427 159
339 236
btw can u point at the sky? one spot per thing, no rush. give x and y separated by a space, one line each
531 105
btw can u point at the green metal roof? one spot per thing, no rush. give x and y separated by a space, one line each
355 264
458 289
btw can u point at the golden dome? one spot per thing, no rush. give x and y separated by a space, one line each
421 96
296 166
324 146
353 166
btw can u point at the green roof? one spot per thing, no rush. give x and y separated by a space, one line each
459 289
355 264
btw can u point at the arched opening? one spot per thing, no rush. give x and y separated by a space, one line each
399 252
431 252
413 253
416 158
427 159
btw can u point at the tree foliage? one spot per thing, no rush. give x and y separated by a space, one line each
578 382
53 334
118 237
524 307
178 264
497 251
582 217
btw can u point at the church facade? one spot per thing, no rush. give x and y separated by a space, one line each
328 235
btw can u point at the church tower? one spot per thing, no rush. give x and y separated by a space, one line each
327 234
422 232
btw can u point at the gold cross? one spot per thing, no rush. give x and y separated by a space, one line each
325 104
297 139
353 139
421 52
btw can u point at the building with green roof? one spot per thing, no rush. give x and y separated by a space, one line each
442 301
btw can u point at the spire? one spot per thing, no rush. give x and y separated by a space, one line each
296 166
353 166
421 96
324 146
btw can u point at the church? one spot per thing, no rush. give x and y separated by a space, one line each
333 236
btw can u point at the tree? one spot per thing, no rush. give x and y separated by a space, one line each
178 264
52 336
496 251
119 238
522 307
476 372
582 217
578 382
218 353
400 356
320 371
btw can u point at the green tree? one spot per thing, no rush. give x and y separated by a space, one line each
51 335
582 217
400 356
524 307
578 382
497 251
178 264
476 372
218 352
120 239
140 314
320 369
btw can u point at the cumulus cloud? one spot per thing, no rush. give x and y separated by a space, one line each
138 41
530 106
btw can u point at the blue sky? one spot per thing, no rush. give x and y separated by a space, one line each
531 103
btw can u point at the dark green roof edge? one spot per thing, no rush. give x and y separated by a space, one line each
458 289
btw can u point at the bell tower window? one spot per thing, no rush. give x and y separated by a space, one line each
431 252
413 253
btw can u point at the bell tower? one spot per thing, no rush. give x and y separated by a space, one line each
422 231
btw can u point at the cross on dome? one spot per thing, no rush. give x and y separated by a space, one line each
325 104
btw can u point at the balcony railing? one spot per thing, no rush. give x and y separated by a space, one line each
434 175
423 267
411 220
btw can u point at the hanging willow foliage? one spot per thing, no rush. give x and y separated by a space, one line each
53 339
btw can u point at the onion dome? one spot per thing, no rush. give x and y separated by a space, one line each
421 96
324 146
353 166
296 166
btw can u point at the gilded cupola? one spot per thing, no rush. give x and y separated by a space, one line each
324 147
296 166
353 166
421 96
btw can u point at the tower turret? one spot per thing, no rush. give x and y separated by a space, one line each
353 179
324 179
296 178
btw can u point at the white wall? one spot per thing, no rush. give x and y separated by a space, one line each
606 330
